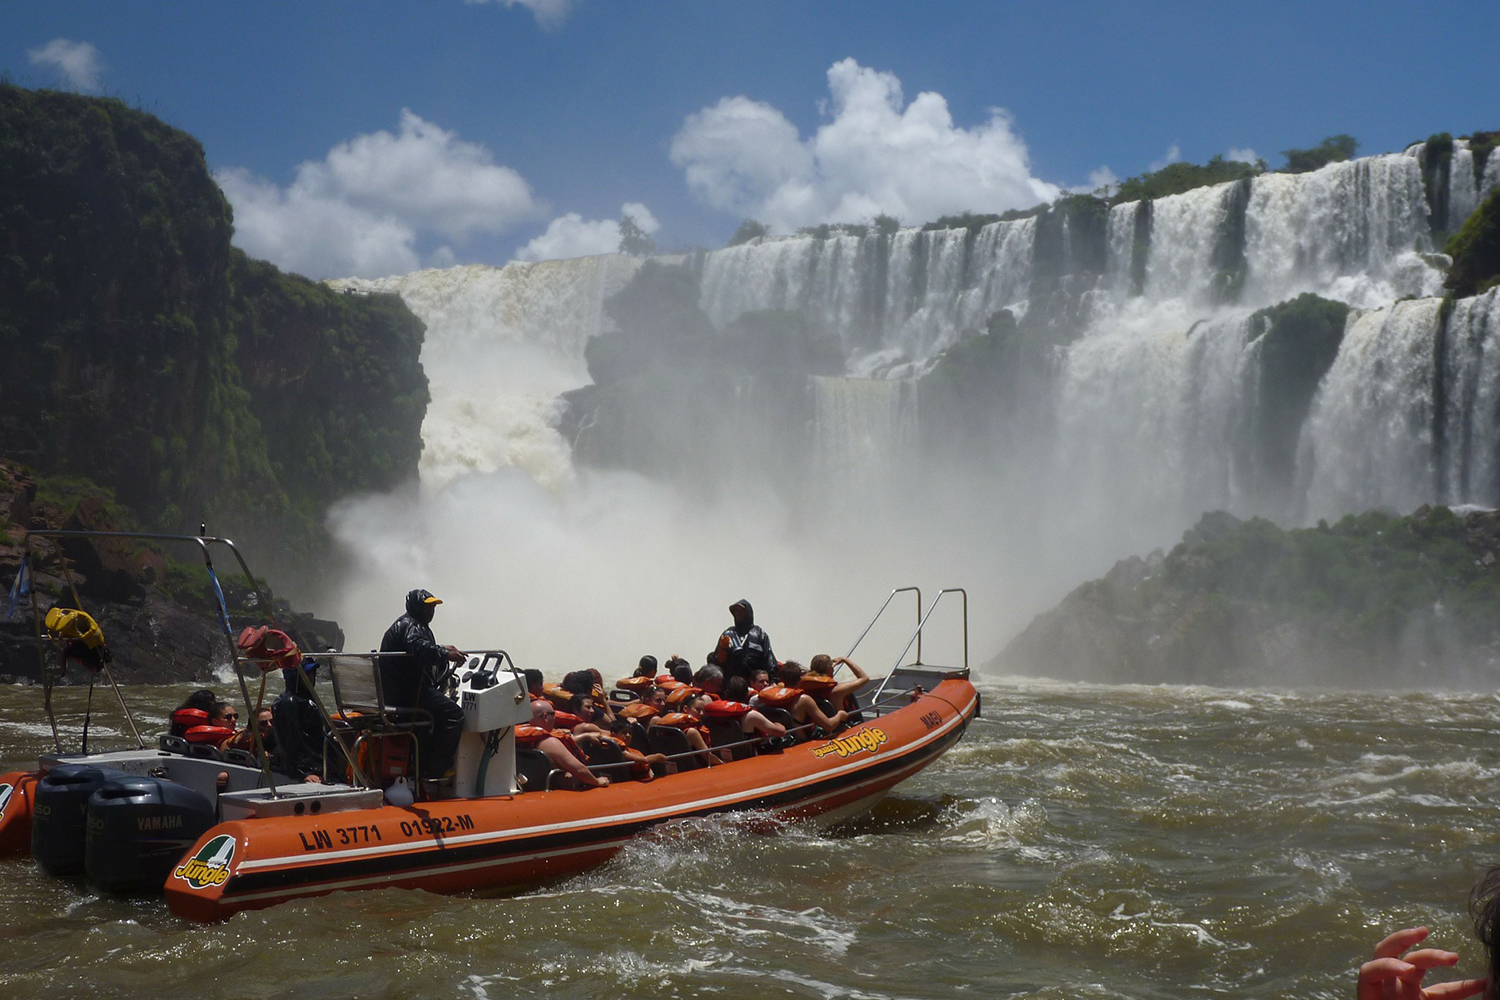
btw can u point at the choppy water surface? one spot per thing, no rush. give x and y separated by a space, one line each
1082 841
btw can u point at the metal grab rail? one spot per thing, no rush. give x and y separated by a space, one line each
889 598
917 637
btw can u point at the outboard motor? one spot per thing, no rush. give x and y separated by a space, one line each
59 815
138 828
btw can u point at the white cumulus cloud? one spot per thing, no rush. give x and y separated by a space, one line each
877 154
79 63
1172 155
1241 155
362 210
572 235
548 13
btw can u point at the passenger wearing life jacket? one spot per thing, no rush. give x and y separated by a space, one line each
744 647
841 694
298 728
686 714
804 710
540 735
711 679
534 683
193 711
759 679
416 680
752 722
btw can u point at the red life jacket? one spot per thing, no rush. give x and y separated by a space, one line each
731 710
779 696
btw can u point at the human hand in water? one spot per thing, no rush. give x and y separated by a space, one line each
1393 976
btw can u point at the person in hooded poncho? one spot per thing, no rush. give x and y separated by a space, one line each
415 680
744 647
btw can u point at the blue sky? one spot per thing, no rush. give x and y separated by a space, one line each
380 136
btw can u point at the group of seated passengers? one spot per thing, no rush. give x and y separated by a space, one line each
571 718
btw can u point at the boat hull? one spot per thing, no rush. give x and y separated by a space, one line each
512 841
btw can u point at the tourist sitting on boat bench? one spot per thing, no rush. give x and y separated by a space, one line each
805 711
543 717
744 647
416 680
752 723
841 694
534 683
298 728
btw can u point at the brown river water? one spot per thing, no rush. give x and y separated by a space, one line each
1082 841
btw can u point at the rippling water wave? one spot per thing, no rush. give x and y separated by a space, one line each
1082 841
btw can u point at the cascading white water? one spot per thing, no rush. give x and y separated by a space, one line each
501 345
865 430
1368 439
1349 231
1471 390
1141 429
1149 418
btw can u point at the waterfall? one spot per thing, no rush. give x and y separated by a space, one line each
1349 231
1471 391
501 345
1151 418
864 432
1369 439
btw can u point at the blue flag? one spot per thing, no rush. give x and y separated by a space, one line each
21 588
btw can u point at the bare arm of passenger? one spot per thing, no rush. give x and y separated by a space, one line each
844 690
807 710
754 722
1392 976
697 742
561 757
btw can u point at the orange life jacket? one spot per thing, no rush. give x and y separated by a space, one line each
817 684
638 710
212 735
566 720
683 693
640 685
779 696
731 710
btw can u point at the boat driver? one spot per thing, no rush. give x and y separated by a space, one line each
415 680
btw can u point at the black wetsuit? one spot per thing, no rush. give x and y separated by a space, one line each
411 681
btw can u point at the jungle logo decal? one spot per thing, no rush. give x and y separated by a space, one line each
864 741
210 866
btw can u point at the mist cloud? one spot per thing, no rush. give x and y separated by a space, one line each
571 235
362 209
876 154
79 63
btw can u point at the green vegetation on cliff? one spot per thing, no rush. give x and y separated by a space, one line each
144 354
1475 250
1373 600
1176 178
1331 150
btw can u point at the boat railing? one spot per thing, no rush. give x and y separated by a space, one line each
917 638
890 597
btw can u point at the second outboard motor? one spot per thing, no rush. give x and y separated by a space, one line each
59 815
138 828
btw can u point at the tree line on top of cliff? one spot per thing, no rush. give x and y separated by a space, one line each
145 354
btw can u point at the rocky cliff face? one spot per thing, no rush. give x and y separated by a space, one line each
144 354
157 612
1374 600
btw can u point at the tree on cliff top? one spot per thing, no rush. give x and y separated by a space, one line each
1331 150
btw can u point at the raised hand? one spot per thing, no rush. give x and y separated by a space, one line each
1393 976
